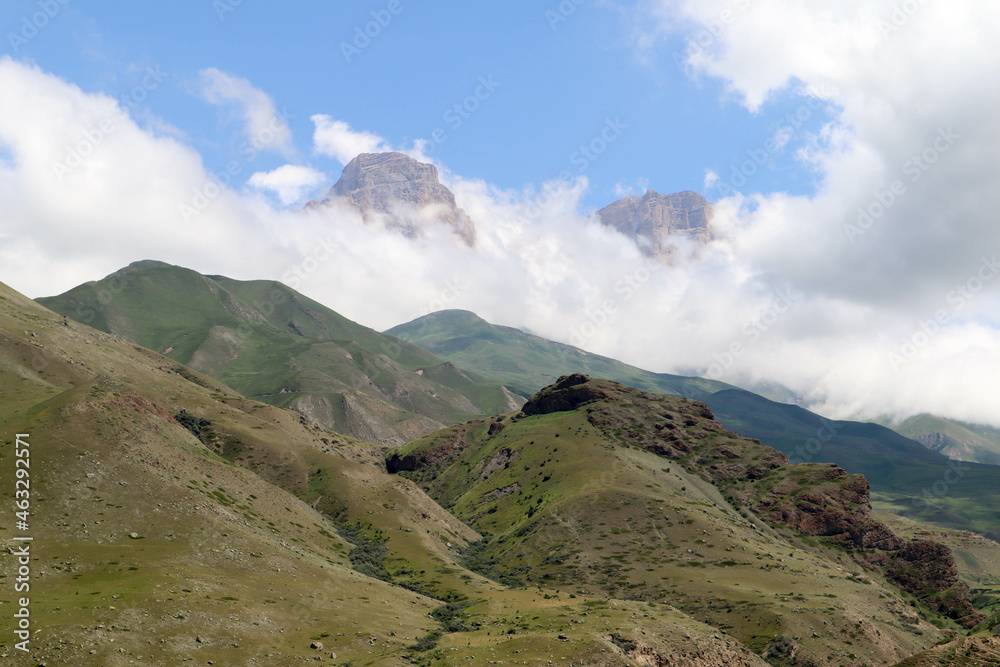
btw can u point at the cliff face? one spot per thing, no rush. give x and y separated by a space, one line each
404 193
832 504
653 218
928 571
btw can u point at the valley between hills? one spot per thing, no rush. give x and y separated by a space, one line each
230 473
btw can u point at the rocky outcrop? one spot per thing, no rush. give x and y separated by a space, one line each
446 447
501 459
568 393
704 651
927 570
653 218
826 501
404 193
961 652
936 442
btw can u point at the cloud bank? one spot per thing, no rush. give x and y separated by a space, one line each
877 294
290 182
899 242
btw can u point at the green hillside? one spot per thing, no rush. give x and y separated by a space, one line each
955 439
600 489
271 343
191 524
906 477
525 363
176 521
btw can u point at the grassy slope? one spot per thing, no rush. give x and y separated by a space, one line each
905 475
213 538
236 557
525 362
565 506
979 650
267 341
955 439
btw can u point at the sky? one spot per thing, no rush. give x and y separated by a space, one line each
849 149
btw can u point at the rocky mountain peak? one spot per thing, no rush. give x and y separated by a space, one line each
405 193
371 170
652 218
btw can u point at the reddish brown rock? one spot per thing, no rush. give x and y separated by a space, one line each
927 570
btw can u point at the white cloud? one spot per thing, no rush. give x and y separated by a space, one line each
711 178
86 191
290 182
784 295
912 112
336 139
263 124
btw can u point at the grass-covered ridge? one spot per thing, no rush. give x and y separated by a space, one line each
600 489
905 475
271 343
181 548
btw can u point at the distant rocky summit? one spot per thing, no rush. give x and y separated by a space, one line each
404 193
653 218
407 195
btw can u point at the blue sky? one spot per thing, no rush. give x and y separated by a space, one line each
834 260
559 77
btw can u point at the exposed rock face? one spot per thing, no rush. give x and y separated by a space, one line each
936 442
834 504
927 569
818 499
705 651
405 193
653 218
961 652
568 393
451 444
